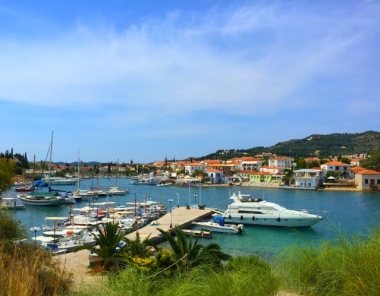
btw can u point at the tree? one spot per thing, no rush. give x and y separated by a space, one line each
107 240
137 247
10 229
189 253
288 177
373 161
7 168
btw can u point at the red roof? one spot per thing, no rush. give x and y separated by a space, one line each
337 163
368 172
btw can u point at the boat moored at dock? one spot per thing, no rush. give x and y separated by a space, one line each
217 224
252 211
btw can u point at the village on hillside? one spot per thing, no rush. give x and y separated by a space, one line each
344 173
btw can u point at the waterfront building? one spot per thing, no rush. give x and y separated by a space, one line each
195 166
337 166
215 176
227 169
243 175
260 177
308 178
366 180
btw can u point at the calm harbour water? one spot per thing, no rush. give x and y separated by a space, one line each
343 212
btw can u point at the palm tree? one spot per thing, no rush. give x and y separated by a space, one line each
137 247
189 253
107 243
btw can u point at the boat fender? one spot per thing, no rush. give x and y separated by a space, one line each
253 218
241 217
278 219
66 244
229 217
59 244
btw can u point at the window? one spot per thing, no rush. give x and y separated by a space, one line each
365 181
378 181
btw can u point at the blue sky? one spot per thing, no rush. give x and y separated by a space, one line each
145 80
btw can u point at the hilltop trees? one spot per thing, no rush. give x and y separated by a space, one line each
372 162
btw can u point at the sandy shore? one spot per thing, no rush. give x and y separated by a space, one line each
77 265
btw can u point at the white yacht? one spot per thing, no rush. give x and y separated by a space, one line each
115 190
60 181
252 211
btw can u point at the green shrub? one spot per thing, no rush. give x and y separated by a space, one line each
348 266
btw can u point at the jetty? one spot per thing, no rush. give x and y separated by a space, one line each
179 216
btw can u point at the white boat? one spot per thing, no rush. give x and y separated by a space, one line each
218 225
195 232
252 211
10 203
60 181
41 199
115 190
146 179
164 184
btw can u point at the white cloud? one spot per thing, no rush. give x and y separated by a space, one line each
180 63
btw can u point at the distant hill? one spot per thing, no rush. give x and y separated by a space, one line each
311 146
75 163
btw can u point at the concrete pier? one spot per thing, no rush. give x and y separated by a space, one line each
178 217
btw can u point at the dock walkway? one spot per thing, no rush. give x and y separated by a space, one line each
178 217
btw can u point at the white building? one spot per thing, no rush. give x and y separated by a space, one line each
308 178
272 169
283 162
192 167
216 176
337 166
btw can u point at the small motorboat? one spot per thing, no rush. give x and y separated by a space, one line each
10 203
217 225
201 233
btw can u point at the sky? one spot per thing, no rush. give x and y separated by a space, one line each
117 80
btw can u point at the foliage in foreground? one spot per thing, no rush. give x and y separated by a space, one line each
30 270
26 269
349 266
242 276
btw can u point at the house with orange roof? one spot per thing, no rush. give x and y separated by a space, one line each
207 162
337 166
366 180
272 169
194 166
226 168
356 161
215 176
246 163
284 162
243 175
234 164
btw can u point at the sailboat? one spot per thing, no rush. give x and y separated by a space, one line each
115 190
27 188
64 199
81 194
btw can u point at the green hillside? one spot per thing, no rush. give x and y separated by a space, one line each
311 146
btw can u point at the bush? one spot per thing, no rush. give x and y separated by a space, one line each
348 266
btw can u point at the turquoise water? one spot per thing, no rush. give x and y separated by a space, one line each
344 212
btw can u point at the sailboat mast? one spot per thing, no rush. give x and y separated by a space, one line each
51 152
78 172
